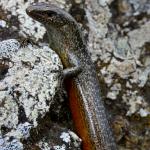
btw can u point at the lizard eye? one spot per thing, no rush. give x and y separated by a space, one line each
51 13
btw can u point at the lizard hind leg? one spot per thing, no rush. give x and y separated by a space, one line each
68 73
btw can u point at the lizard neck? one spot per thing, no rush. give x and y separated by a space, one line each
67 41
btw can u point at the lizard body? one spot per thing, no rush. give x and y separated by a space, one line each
88 111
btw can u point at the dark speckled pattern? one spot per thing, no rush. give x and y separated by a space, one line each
66 39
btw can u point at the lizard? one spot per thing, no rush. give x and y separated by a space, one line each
88 111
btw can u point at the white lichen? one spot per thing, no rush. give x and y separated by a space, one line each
104 2
3 23
57 147
29 84
134 101
143 112
65 137
114 91
124 69
76 140
8 48
98 31
10 145
138 37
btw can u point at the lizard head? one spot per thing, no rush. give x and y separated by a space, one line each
64 34
48 14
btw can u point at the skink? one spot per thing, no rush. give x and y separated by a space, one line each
88 111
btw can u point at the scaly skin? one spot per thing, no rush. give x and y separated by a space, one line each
85 100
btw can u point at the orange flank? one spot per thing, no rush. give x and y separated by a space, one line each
78 115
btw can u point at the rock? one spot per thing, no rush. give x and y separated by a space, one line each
27 89
117 36
138 37
66 140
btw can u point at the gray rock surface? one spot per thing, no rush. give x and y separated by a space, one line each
26 89
117 35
